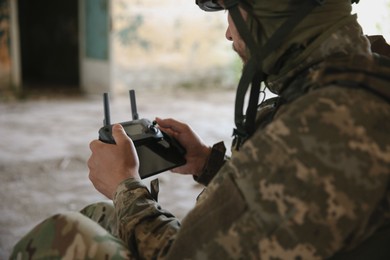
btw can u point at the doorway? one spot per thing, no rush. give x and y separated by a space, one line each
49 45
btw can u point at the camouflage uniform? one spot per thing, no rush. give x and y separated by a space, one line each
73 235
312 181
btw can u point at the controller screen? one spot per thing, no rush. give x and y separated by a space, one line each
135 129
156 157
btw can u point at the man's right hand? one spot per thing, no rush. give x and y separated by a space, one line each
197 152
110 164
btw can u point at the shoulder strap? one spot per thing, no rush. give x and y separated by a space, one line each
371 73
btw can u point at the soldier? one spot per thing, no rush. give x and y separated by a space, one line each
309 172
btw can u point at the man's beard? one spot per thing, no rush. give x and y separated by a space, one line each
243 57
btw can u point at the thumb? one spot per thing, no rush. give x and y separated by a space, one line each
119 134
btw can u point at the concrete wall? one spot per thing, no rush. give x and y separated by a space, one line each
165 44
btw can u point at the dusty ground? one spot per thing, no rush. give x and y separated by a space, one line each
44 149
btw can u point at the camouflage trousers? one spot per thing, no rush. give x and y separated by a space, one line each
88 234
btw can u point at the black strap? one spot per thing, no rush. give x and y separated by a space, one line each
252 72
155 189
245 34
251 111
245 80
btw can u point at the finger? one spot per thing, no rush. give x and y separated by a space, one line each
90 164
180 169
175 170
170 123
93 144
167 123
170 132
119 134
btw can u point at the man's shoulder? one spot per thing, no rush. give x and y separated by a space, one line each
368 72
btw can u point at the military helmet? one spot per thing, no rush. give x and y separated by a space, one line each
209 5
213 5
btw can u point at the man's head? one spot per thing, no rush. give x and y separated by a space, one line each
232 33
274 37
264 18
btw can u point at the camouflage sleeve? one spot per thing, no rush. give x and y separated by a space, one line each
142 224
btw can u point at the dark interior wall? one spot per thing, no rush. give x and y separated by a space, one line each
5 58
49 42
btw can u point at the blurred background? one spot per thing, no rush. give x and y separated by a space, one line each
58 57
92 46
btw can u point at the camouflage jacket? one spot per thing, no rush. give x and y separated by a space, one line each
308 184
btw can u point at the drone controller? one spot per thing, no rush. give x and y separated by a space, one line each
157 151
140 131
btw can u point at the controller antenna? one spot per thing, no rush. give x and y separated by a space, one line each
106 103
133 105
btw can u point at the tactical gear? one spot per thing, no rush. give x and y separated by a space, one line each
209 5
216 160
253 73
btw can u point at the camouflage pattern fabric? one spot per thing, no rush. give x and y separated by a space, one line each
102 213
331 43
311 183
71 236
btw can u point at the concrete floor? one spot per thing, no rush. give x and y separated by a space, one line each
44 149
